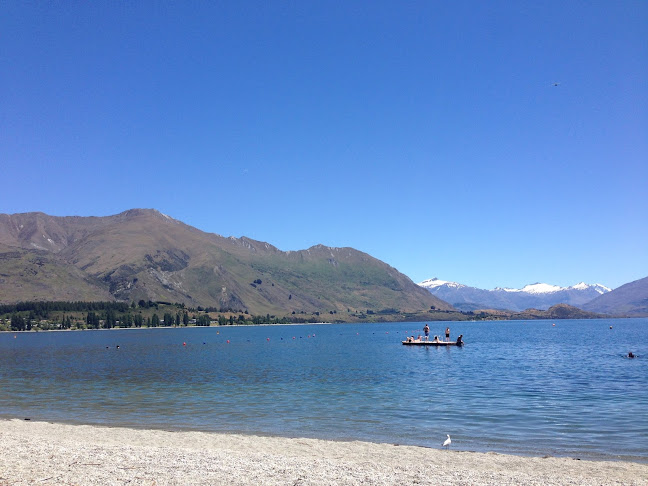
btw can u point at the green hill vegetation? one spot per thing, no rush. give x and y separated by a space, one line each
558 311
143 255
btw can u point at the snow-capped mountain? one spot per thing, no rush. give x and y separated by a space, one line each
432 283
536 296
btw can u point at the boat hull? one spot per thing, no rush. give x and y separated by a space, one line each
431 343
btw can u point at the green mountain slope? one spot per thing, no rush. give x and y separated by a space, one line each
144 254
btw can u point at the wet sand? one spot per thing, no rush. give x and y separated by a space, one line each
46 453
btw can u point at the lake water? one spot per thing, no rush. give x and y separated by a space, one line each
517 387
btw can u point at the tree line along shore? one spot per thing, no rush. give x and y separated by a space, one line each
78 315
60 315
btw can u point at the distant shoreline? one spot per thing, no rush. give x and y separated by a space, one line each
226 326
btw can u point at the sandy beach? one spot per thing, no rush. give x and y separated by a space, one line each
47 453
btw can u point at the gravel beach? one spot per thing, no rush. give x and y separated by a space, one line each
46 453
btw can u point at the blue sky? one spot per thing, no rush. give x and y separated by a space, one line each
427 134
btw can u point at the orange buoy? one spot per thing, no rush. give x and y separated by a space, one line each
228 341
184 344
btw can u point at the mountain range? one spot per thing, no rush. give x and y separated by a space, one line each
535 296
142 254
630 300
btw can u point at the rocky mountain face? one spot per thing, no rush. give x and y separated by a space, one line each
144 254
534 296
629 300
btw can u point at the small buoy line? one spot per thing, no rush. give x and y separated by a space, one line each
630 354
227 341
184 344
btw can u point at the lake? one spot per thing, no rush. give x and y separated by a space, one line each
561 388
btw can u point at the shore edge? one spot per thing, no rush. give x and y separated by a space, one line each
54 453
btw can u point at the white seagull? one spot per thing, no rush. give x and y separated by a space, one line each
447 442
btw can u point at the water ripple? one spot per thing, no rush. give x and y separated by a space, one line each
526 388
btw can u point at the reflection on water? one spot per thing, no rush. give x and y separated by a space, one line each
527 388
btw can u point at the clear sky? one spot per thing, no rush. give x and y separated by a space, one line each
429 134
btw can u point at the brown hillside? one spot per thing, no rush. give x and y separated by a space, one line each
144 254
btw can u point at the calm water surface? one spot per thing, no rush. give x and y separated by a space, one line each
516 387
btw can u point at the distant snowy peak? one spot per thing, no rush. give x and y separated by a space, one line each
536 288
543 288
536 296
433 283
601 289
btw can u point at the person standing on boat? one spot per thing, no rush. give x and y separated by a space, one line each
447 334
426 329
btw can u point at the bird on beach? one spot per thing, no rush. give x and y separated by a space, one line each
447 442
